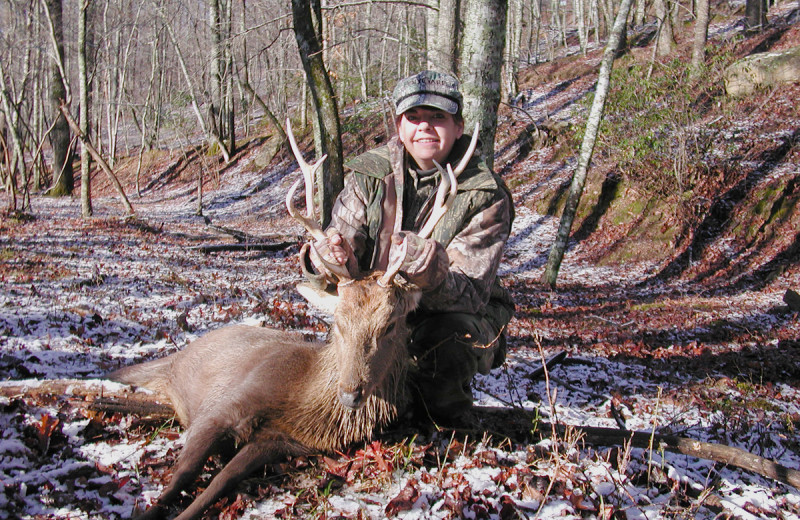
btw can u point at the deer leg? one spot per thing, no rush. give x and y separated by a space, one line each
201 439
266 447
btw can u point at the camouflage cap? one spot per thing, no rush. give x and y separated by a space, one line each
428 88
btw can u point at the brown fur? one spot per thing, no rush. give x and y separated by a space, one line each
277 395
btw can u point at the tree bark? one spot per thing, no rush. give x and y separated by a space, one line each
84 41
700 37
665 41
587 148
755 15
211 136
14 157
444 53
324 100
481 65
60 138
512 49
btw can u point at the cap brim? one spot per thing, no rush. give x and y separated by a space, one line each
427 100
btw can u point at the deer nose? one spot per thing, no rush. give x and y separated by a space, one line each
352 399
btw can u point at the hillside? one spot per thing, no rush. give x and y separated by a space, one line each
669 310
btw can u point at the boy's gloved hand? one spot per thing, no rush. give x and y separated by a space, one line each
425 263
332 256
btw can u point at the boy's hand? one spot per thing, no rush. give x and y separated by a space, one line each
425 263
333 249
331 252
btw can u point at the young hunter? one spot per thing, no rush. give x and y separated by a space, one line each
457 331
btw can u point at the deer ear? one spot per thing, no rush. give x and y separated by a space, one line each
318 298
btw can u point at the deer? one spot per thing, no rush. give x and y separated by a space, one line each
277 395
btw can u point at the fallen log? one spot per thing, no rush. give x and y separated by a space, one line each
724 454
720 453
92 394
256 246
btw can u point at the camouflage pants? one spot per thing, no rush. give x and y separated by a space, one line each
447 350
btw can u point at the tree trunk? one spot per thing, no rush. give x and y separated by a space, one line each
587 148
638 19
60 139
580 19
444 53
8 126
755 13
99 158
324 99
222 110
84 42
512 49
213 138
700 37
481 64
665 41
431 29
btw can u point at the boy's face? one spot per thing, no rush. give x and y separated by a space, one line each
428 134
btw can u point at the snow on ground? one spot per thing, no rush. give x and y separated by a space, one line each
80 298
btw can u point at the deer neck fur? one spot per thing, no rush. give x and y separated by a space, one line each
321 422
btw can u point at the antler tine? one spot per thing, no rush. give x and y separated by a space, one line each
309 171
394 268
470 150
444 199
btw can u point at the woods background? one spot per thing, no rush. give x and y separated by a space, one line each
138 75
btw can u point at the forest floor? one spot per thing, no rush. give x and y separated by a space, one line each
710 357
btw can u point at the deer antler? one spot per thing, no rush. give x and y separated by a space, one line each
308 220
309 170
468 154
393 268
446 194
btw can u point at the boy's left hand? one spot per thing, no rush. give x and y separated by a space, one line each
425 263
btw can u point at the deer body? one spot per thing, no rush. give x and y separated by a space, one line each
277 395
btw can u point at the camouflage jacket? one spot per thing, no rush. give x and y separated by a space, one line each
371 207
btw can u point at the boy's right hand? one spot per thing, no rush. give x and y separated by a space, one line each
331 255
333 249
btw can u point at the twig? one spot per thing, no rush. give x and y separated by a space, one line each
548 365
627 324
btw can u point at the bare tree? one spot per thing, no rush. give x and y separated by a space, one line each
84 63
512 48
9 130
700 36
665 40
444 53
587 148
755 15
190 85
222 114
60 138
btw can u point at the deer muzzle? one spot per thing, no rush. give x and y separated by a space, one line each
352 398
